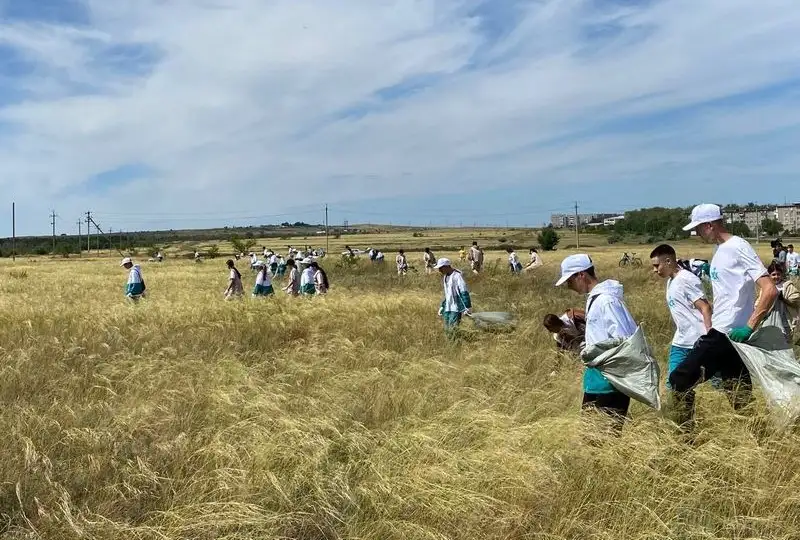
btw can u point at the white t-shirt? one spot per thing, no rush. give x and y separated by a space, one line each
682 292
792 259
735 269
307 277
513 260
263 279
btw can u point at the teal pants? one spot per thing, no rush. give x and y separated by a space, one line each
452 320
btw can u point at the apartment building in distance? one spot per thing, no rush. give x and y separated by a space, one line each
567 221
789 216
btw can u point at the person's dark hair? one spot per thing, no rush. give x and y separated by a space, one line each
591 272
229 262
534 250
401 252
427 250
324 277
509 250
552 322
664 250
775 266
475 243
263 271
290 262
790 246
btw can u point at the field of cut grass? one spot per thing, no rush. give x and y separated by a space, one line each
350 416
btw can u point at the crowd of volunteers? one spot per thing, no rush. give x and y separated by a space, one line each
708 336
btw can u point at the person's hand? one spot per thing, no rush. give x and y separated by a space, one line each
440 312
741 334
467 312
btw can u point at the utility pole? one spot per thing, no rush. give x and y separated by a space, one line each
13 231
327 237
80 237
53 223
577 224
89 232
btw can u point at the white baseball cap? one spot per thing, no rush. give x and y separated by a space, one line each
704 213
441 263
572 265
307 260
125 261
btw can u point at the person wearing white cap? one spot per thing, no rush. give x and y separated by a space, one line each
135 288
307 279
735 271
606 318
457 301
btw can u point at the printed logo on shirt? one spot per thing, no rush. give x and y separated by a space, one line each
714 274
671 302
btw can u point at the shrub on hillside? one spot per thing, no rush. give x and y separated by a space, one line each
548 239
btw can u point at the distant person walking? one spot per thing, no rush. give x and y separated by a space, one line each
691 314
735 272
235 289
475 257
273 263
135 288
263 286
513 261
792 261
607 317
307 279
402 263
462 254
293 284
457 301
429 260
281 269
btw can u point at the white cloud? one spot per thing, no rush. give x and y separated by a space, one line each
262 106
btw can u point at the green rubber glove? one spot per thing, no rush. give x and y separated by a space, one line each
741 334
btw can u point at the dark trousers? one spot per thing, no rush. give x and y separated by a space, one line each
615 405
713 354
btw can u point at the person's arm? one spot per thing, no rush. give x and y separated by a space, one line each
463 295
704 307
791 295
769 292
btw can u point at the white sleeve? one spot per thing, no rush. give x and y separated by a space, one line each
693 289
753 266
619 321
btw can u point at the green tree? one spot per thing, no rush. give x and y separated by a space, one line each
771 227
213 252
548 239
739 228
242 246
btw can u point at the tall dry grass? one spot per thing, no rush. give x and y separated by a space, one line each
349 416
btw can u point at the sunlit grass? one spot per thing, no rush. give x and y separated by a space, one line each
349 416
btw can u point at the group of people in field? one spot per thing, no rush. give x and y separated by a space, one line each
702 346
302 273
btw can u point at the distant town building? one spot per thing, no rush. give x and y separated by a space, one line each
789 216
608 222
567 221
750 217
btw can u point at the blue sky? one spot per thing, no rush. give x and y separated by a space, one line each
192 113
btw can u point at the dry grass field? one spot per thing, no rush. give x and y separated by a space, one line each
350 416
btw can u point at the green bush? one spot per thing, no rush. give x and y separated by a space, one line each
548 239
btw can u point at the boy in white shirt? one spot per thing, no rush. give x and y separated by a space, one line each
135 287
307 279
735 271
691 314
792 261
456 301
402 263
513 261
606 318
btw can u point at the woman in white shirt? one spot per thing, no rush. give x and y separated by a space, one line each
402 263
321 284
536 261
293 284
307 279
235 288
263 285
